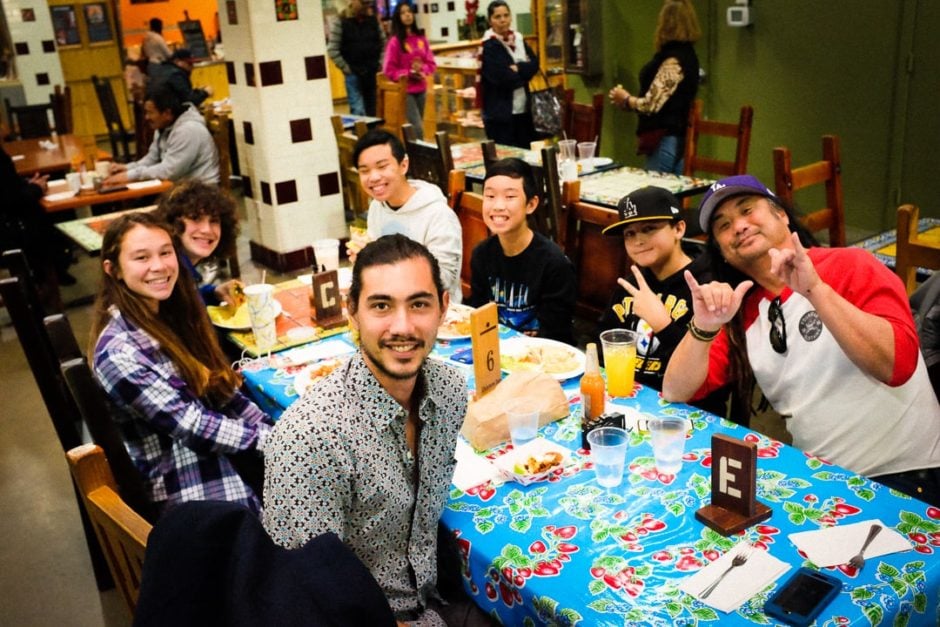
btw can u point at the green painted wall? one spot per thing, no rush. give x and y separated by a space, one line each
866 70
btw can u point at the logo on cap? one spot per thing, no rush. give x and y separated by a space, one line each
629 210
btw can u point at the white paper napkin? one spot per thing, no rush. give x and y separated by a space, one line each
739 585
314 351
472 469
143 184
837 545
59 196
17 157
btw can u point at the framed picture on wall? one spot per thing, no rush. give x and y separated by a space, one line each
97 22
65 25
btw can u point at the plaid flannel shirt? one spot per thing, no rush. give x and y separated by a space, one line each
177 440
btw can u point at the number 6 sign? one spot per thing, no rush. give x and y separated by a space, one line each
484 336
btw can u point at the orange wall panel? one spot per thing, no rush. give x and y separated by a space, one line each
135 18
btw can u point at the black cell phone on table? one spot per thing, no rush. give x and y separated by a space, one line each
802 597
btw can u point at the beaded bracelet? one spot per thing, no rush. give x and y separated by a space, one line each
700 334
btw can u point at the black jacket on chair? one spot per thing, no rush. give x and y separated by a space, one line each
212 563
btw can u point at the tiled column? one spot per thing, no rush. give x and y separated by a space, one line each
37 62
281 105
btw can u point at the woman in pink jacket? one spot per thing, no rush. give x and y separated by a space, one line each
408 53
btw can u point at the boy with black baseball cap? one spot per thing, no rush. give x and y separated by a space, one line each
656 301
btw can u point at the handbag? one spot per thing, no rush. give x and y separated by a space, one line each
545 108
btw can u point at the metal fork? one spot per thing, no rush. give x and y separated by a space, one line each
858 561
739 560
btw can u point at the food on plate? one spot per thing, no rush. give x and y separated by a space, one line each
223 315
537 465
547 359
314 372
456 323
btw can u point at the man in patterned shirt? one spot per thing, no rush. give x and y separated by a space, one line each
368 452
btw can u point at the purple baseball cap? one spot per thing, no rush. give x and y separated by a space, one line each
726 188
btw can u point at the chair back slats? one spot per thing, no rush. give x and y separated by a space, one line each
740 131
391 101
488 148
61 101
120 530
583 121
430 162
30 121
828 172
117 133
61 337
469 208
218 129
599 260
913 251
354 198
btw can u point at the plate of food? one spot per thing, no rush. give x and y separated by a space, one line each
541 355
600 162
456 325
533 461
312 373
223 317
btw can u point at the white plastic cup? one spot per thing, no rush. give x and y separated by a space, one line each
103 168
608 452
586 156
326 252
567 149
74 181
523 419
667 435
259 298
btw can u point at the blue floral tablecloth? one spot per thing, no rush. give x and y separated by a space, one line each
565 551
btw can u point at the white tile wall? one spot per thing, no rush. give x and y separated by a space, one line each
36 62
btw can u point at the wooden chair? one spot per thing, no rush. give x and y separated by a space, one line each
44 287
429 162
30 121
739 131
354 197
788 179
912 251
599 260
96 414
218 128
391 102
583 121
61 100
117 133
120 530
469 208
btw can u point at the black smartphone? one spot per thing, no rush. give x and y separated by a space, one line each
804 595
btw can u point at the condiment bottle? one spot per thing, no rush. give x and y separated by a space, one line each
592 386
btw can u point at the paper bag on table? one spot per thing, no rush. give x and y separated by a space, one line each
485 425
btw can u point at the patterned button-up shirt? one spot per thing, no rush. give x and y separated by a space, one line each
177 441
338 461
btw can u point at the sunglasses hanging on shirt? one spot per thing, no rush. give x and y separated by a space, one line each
778 326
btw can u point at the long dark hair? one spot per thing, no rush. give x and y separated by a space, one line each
399 30
740 371
181 325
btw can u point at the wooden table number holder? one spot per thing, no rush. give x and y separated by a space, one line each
734 503
484 338
325 300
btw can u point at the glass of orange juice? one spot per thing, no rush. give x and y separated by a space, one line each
619 347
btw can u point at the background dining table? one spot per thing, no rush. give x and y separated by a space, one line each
30 157
134 191
565 551
884 245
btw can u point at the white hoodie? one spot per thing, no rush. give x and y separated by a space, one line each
425 218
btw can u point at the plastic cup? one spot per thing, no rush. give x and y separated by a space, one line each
586 156
259 298
523 419
667 436
567 149
103 168
608 452
619 348
74 181
326 252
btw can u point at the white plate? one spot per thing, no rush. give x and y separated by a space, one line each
237 321
455 313
59 196
536 448
311 373
516 348
600 162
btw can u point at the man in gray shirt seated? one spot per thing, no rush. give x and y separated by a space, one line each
368 452
182 146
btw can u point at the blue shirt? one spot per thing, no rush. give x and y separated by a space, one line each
178 441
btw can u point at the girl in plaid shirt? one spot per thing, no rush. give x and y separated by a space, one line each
176 400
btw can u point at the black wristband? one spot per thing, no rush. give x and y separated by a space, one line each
700 334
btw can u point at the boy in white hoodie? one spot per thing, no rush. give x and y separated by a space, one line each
413 208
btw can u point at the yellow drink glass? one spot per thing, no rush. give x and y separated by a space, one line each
619 348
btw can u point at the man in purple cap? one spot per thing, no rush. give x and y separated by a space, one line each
827 333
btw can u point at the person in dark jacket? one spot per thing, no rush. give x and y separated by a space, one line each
356 44
668 84
506 67
174 73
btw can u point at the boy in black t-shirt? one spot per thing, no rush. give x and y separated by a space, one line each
523 272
